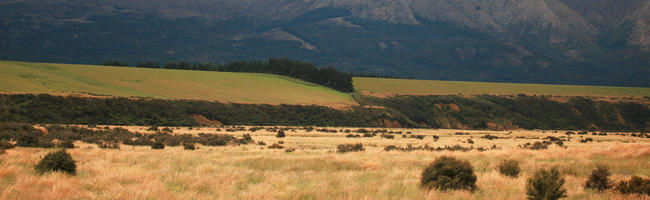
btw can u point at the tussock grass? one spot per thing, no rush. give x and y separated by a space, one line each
315 170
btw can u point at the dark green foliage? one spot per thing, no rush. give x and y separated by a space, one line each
115 63
634 185
188 146
546 184
148 64
109 145
387 136
280 134
447 173
57 161
599 179
509 168
523 111
45 143
529 112
49 109
66 144
325 76
4 144
157 145
344 148
536 145
153 128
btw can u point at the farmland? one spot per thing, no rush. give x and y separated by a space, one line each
314 170
68 79
387 87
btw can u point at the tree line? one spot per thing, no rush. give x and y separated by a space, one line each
481 112
326 76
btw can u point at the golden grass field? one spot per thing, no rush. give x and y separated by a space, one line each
314 170
25 77
387 87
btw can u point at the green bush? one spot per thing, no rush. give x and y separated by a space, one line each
109 145
157 145
344 148
66 144
546 185
45 143
188 146
509 168
6 145
634 185
447 173
599 179
57 161
280 134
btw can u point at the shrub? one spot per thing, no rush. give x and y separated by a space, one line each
109 145
509 168
599 179
343 148
157 145
387 136
546 185
6 145
276 146
634 185
280 134
188 146
391 147
67 144
57 161
44 143
448 173
153 128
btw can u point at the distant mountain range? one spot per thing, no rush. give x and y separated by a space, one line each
597 42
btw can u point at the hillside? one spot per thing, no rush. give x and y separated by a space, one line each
389 87
603 42
23 77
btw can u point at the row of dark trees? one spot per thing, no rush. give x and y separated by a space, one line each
529 112
325 76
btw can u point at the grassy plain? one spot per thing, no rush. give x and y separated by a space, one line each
387 87
25 77
314 170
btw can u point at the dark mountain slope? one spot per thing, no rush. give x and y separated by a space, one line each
545 41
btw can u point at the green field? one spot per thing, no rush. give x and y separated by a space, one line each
387 87
25 77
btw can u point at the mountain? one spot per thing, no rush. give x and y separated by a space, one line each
596 42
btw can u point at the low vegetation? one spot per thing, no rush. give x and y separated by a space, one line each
344 148
58 161
308 164
636 185
599 179
447 173
509 168
546 184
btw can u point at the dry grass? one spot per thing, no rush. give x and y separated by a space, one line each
314 170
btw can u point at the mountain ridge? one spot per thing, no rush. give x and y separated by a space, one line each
600 42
